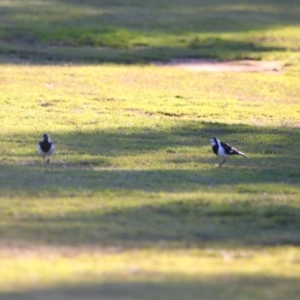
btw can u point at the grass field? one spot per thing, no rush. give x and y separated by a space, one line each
132 205
141 31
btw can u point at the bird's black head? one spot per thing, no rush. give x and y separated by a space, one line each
46 137
213 141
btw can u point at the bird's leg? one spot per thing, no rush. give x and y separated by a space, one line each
224 160
48 161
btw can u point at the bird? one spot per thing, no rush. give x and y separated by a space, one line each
224 150
46 147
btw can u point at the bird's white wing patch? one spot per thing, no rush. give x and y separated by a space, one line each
221 151
40 150
52 149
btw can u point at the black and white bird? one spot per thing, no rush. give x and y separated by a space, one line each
224 150
46 147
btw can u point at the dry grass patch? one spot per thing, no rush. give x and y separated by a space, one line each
210 65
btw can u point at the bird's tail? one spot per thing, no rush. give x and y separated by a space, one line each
243 154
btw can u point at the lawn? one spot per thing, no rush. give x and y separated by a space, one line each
142 31
132 205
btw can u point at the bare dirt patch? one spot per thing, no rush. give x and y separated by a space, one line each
210 65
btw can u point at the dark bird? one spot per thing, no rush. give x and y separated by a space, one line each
224 150
46 147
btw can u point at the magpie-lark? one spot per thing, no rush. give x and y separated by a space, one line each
224 150
46 147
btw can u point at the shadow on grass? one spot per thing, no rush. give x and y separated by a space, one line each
182 160
215 287
275 142
127 26
207 48
137 221
240 204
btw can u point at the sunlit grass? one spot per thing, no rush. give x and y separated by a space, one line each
132 205
132 199
140 31
209 268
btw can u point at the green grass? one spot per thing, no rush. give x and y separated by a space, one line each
114 31
132 205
